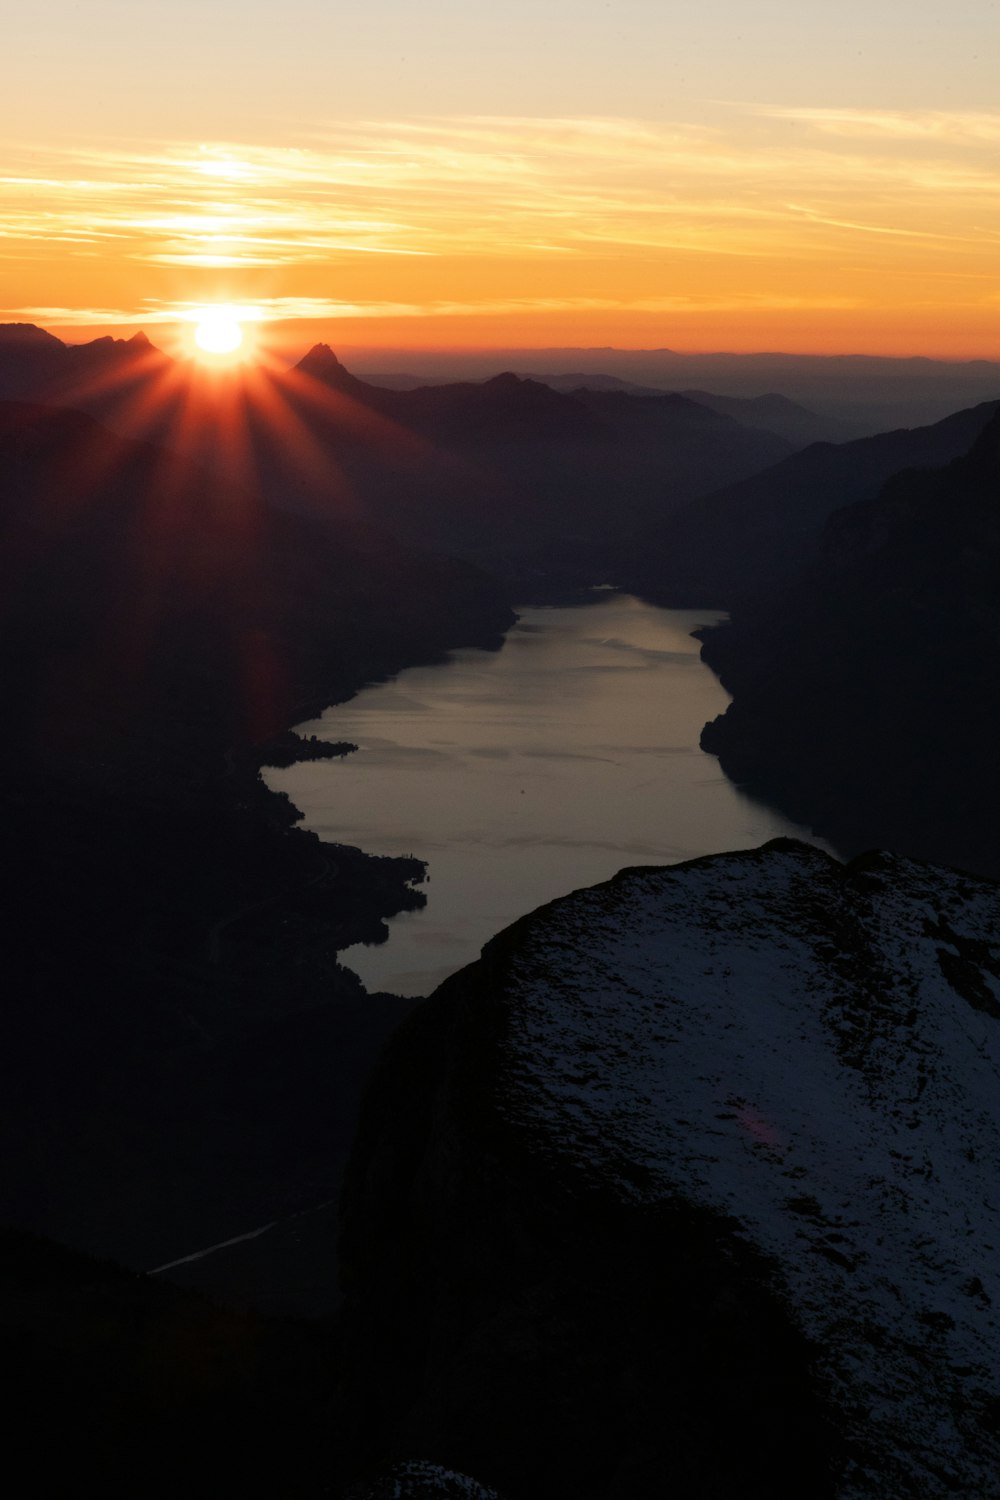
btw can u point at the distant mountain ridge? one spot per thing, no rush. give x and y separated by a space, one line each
769 412
870 393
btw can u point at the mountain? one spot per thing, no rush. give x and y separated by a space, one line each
687 1187
866 689
867 393
769 412
154 1390
530 482
776 413
36 365
180 1052
146 597
725 547
535 485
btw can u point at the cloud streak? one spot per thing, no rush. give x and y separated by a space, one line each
318 309
772 207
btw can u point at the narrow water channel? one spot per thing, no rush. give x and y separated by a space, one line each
522 774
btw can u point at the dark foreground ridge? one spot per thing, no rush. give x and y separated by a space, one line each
180 1052
686 1187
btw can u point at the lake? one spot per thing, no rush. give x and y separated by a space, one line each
521 774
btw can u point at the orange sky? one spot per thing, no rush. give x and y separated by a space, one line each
760 222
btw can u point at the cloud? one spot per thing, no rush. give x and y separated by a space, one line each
960 127
468 187
781 208
320 309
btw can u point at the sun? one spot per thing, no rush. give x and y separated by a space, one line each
218 330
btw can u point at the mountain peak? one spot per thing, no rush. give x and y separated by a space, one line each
322 364
28 334
321 355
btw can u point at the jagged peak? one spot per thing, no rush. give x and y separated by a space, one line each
321 354
323 364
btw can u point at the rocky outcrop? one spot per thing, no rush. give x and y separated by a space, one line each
688 1187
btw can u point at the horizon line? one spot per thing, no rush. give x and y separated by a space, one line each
121 334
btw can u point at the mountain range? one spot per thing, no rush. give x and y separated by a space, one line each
865 393
506 473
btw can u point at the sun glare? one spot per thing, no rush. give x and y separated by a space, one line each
218 331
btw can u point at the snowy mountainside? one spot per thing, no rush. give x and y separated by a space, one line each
420 1480
811 1050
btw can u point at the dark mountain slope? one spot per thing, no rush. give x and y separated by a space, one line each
867 692
153 1391
686 1187
725 547
517 475
180 1051
144 596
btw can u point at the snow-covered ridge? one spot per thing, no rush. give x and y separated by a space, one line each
419 1480
814 1051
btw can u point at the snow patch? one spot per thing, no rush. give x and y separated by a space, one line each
781 1039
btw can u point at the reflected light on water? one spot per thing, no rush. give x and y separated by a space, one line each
526 773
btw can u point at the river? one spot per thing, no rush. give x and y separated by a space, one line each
521 774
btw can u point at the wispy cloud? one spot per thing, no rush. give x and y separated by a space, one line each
959 127
319 309
674 215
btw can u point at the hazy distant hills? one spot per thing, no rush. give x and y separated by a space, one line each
868 393
769 412
776 413
867 688
741 540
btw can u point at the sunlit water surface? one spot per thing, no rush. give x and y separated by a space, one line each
522 774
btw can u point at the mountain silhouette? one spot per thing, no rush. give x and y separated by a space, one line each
146 598
770 412
722 549
866 692
179 1048
536 485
